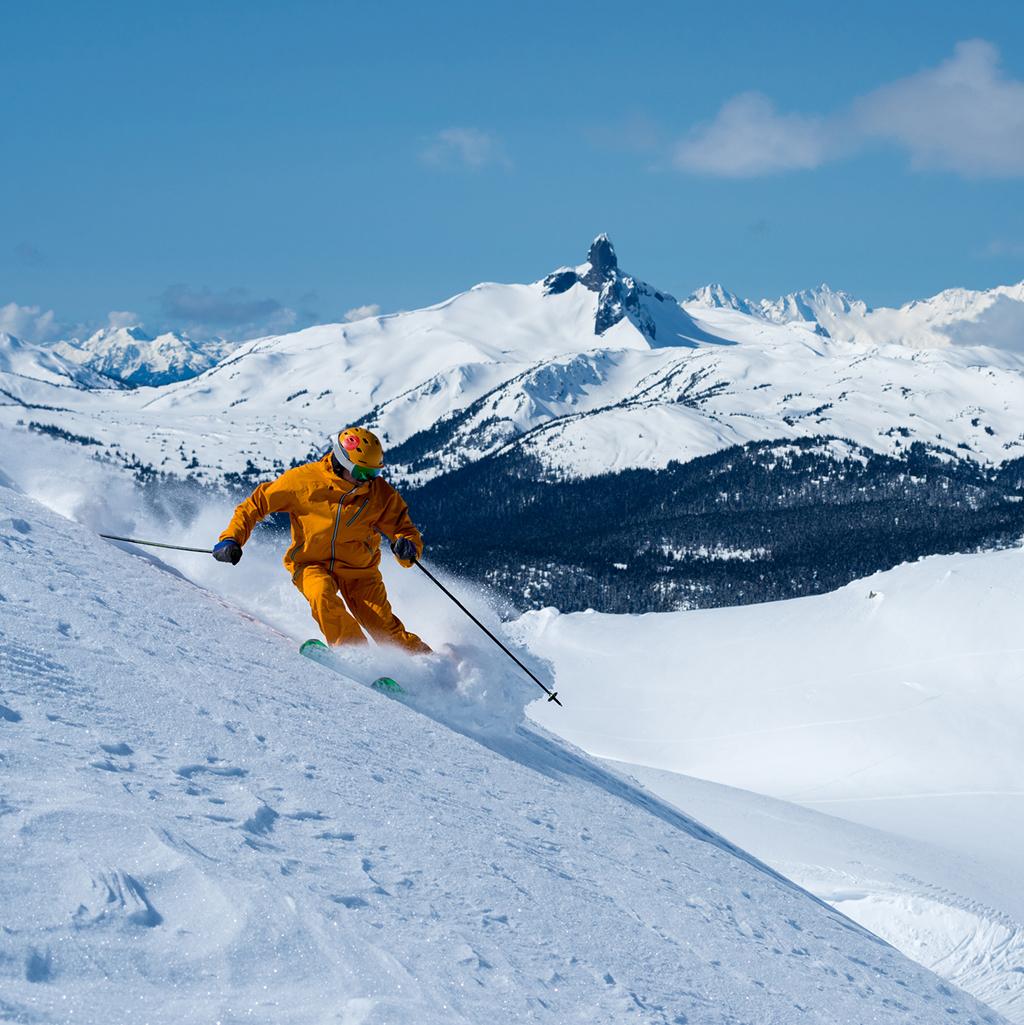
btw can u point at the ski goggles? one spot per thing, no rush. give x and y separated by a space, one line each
364 473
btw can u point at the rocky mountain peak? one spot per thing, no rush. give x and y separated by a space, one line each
603 263
117 336
601 268
717 296
622 296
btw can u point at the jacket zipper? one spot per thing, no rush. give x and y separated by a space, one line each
334 537
358 511
337 523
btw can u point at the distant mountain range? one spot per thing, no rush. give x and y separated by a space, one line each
592 374
957 316
50 367
131 356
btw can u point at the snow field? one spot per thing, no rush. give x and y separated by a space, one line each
895 703
198 825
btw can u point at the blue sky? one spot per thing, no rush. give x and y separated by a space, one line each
240 166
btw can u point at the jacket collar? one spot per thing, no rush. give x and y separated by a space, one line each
353 489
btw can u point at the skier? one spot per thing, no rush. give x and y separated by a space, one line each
339 507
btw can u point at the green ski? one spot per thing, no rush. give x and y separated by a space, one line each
320 653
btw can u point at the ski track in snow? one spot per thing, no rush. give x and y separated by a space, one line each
198 825
908 892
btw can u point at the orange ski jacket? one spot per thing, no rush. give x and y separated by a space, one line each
334 524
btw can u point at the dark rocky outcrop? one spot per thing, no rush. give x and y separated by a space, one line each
620 296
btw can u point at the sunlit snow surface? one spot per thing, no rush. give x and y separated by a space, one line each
896 703
198 825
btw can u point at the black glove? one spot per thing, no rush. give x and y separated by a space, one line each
404 549
228 551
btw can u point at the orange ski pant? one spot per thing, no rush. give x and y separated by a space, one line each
344 606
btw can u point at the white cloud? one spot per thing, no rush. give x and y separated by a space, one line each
231 313
30 323
965 115
359 312
464 147
123 318
750 137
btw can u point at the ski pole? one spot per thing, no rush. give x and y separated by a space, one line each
552 695
156 544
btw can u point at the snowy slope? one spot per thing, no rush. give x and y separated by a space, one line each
200 827
895 702
947 913
131 355
619 410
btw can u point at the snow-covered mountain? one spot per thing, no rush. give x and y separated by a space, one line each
25 365
130 355
605 411
957 316
199 825
561 367
718 297
817 306
821 306
289 391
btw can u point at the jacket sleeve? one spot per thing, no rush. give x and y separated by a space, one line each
274 496
394 521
